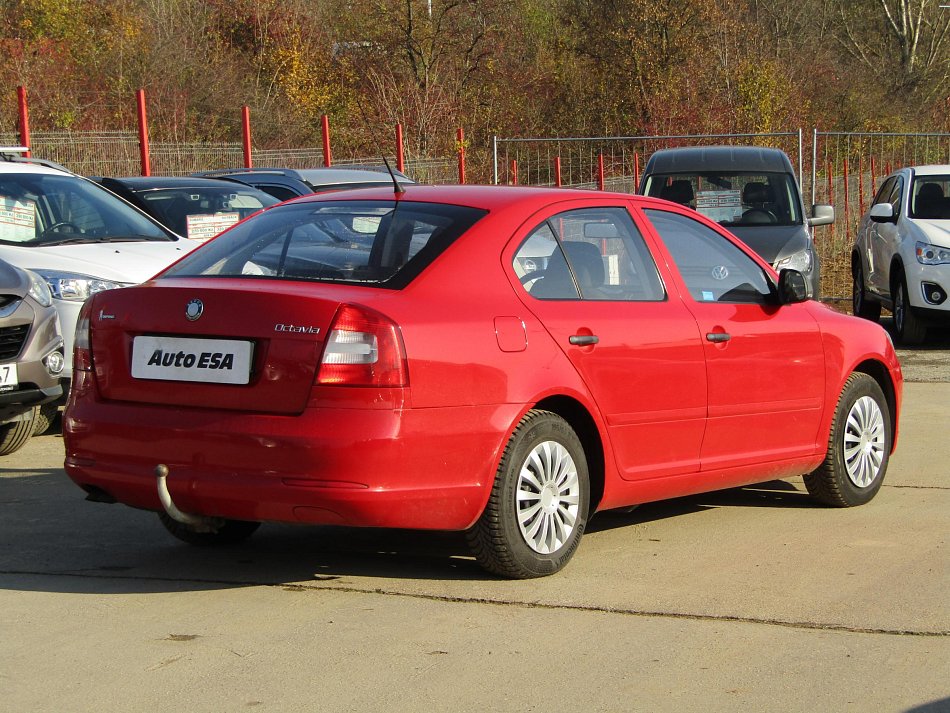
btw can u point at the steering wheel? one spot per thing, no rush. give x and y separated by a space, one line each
533 275
759 216
61 224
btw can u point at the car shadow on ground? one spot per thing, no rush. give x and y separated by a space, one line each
54 541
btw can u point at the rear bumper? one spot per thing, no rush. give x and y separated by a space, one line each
418 469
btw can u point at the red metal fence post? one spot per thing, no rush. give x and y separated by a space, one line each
400 151
143 133
24 119
325 128
246 131
460 140
636 171
873 177
600 171
557 171
514 172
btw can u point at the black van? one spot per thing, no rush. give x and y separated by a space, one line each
752 191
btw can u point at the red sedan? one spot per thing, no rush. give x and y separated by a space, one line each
504 361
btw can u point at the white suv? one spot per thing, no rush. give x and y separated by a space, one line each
79 237
901 258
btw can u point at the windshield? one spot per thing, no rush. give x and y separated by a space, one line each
930 198
203 212
732 198
366 242
44 209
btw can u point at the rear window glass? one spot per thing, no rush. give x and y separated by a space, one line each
202 212
383 243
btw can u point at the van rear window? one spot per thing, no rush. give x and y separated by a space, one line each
384 243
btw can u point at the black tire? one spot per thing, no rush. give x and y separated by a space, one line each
13 436
502 539
231 532
908 326
862 419
860 305
45 418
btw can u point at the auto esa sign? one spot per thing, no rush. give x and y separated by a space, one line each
219 361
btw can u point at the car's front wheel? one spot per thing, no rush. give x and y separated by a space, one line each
909 327
860 305
537 510
858 447
13 436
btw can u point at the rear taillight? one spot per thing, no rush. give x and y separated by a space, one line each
363 348
82 344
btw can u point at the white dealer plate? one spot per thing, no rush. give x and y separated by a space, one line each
218 361
8 375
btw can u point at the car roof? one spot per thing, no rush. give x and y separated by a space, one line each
144 183
317 176
14 159
719 158
491 198
932 170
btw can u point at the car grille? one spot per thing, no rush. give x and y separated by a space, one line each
11 341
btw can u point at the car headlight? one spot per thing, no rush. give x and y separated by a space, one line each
801 261
39 290
928 254
72 287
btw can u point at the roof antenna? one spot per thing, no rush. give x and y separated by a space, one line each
397 187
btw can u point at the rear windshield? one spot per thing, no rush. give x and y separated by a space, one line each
201 212
381 243
732 198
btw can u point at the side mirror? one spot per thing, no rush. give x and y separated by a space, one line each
822 214
792 287
883 213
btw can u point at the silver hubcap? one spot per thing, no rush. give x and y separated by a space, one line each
864 441
547 500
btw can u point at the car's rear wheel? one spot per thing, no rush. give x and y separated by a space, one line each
858 448
860 305
910 329
13 436
230 532
537 510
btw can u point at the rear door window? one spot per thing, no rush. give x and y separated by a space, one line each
590 254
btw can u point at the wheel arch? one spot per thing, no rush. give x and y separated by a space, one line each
581 420
878 371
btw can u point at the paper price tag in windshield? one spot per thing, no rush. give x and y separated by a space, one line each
721 206
17 220
203 227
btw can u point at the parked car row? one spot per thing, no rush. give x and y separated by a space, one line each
497 360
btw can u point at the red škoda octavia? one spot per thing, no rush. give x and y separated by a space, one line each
503 361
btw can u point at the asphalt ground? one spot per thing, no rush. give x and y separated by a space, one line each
751 599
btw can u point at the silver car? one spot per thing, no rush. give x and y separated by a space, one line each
31 355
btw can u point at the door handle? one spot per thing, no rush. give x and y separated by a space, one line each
583 340
718 337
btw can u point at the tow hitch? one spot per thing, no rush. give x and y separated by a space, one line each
199 523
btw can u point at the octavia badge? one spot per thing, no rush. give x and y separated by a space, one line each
194 309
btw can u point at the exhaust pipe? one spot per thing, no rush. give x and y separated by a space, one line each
199 523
